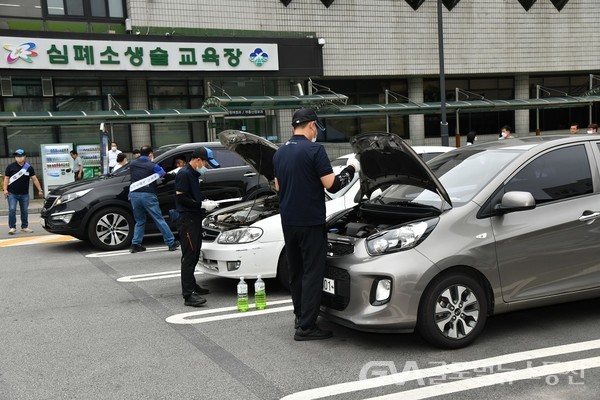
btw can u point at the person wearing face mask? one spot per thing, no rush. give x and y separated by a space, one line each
142 194
505 133
592 129
16 190
302 170
112 156
191 206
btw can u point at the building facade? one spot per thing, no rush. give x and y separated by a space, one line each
93 55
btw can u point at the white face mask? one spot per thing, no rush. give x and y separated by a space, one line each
314 139
113 148
590 131
504 134
19 159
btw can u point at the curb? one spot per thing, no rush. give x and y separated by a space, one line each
37 210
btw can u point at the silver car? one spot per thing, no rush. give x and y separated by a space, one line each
482 230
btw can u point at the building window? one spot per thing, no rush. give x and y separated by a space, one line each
21 8
85 9
560 119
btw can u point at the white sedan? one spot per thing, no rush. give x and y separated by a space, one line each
246 239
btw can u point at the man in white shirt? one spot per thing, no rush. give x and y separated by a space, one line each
112 156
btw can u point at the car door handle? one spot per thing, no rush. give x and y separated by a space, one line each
250 174
589 217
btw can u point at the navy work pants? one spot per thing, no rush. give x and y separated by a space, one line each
306 251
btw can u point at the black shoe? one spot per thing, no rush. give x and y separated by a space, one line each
136 248
174 246
312 334
201 290
194 300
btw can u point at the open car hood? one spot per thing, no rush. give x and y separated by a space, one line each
386 159
255 150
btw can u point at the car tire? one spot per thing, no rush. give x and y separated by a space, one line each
111 229
283 274
453 311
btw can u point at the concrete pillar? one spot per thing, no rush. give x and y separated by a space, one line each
521 116
138 100
416 123
284 117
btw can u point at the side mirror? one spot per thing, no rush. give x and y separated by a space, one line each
516 201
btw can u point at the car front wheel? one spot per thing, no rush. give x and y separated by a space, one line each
111 229
453 311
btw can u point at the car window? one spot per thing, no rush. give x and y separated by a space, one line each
556 175
227 158
168 164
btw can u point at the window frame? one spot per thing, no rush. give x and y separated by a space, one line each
87 13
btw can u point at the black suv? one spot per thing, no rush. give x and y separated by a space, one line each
97 210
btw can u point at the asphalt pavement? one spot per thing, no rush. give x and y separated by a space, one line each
77 323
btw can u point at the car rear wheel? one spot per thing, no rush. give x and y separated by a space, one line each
453 311
111 229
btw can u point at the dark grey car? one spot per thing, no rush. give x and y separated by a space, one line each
482 230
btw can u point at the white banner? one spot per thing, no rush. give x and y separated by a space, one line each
109 55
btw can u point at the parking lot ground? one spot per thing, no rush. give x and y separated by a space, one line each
76 323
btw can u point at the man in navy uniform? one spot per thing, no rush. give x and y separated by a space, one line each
302 171
190 205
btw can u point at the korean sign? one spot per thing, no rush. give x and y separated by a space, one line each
67 54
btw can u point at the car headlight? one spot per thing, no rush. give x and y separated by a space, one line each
401 238
240 235
65 198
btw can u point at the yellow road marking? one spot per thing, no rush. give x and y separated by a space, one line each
29 240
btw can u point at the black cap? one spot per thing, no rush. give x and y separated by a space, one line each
304 115
19 152
136 151
205 154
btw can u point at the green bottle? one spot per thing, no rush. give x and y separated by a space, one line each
242 295
260 294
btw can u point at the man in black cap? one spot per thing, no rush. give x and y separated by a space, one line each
135 153
191 204
302 171
16 190
142 194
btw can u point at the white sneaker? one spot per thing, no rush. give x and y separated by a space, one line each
27 230
12 231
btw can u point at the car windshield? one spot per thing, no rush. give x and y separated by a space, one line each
462 173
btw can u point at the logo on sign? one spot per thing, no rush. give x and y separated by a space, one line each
23 52
259 57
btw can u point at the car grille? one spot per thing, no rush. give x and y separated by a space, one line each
209 235
337 249
49 202
340 300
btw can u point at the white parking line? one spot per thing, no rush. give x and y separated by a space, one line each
153 276
124 252
444 389
192 317
412 375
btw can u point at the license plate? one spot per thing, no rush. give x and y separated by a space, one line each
328 285
42 222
